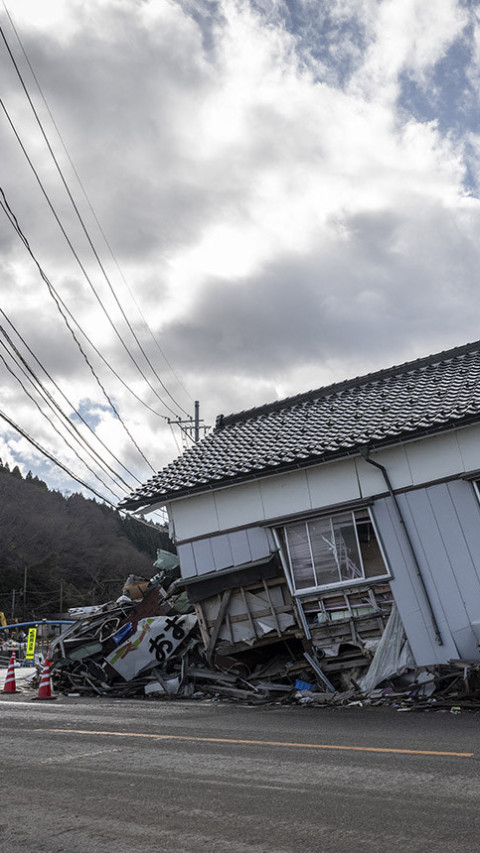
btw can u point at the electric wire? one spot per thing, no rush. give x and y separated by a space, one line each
75 254
52 404
90 242
57 299
58 302
53 459
175 437
61 392
89 203
54 427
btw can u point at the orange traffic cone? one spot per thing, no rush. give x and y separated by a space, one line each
10 686
45 689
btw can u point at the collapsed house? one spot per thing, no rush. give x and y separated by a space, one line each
311 525
328 550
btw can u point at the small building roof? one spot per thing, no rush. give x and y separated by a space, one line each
411 400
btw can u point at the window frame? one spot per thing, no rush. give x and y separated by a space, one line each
281 538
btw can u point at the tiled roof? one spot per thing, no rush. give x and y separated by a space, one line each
411 400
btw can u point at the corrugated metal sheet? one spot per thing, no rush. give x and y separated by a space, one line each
443 523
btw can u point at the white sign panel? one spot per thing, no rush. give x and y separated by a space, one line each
154 641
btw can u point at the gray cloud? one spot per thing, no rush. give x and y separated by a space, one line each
281 220
360 299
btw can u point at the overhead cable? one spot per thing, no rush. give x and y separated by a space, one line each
52 458
89 203
68 402
54 427
52 404
58 302
90 242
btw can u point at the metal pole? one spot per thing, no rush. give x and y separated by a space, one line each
25 593
197 421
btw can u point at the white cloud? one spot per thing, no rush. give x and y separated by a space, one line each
281 218
408 37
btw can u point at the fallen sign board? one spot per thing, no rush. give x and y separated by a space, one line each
154 641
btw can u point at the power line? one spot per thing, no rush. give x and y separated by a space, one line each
75 254
69 445
89 203
64 468
52 404
59 303
69 403
52 458
87 235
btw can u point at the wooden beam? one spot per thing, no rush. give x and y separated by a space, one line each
272 608
218 623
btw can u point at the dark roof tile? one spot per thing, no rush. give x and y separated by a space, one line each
430 394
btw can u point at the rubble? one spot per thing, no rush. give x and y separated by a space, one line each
237 636
166 639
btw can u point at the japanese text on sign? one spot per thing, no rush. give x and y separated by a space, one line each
32 637
155 639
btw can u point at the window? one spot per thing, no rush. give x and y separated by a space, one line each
332 550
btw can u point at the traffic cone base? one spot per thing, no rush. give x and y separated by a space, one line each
10 684
45 689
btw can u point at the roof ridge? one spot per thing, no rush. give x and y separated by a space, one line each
326 390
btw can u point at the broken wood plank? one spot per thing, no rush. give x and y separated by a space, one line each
249 615
202 623
256 614
218 623
272 608
317 669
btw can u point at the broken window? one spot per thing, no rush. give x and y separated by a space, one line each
332 550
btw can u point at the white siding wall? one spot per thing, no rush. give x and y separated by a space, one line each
443 522
225 551
324 485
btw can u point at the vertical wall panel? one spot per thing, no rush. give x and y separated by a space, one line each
407 590
240 548
467 508
222 552
238 506
434 550
436 457
260 541
396 462
214 553
469 446
453 505
204 561
194 516
188 567
333 483
285 494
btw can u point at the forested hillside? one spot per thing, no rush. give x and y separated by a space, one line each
58 552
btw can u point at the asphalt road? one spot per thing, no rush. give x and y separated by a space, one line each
99 775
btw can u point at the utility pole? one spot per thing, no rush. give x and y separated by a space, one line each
197 421
25 593
191 426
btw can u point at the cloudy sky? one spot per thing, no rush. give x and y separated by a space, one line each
229 201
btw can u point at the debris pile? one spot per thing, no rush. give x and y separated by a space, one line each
154 647
168 639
